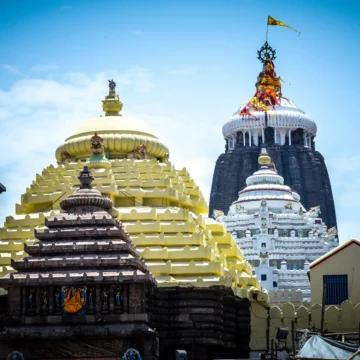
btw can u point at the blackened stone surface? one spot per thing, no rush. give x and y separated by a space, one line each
304 170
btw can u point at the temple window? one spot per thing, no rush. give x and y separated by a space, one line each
275 284
263 277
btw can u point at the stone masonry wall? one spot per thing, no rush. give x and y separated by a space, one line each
304 170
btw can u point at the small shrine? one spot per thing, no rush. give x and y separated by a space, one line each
83 292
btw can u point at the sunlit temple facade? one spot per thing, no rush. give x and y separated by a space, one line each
276 233
202 289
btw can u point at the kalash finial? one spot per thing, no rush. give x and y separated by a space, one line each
264 158
86 178
112 104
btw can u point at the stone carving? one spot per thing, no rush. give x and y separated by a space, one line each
31 298
131 354
217 214
314 212
64 155
332 231
15 355
105 297
288 206
139 153
97 147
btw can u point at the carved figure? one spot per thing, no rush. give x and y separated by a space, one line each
96 145
217 214
332 231
44 297
288 206
105 296
31 302
139 153
73 301
118 295
314 212
64 155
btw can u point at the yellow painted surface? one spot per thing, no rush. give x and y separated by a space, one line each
160 206
343 260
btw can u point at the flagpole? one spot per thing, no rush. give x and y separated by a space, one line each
267 29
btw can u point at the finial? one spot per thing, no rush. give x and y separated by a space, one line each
264 158
86 178
112 85
266 52
112 104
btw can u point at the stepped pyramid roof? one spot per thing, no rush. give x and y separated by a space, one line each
160 206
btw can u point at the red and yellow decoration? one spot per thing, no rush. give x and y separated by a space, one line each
268 90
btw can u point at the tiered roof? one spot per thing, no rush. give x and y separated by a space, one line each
160 207
84 244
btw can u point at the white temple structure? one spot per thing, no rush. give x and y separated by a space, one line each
278 236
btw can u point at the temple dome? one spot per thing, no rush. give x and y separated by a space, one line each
121 135
267 185
268 108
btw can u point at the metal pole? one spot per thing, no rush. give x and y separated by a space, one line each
268 331
323 310
293 337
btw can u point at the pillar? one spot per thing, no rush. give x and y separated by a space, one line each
250 138
304 138
275 136
310 142
263 135
244 137
289 136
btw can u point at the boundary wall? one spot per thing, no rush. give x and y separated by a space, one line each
342 318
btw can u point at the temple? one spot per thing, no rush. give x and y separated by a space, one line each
276 233
288 133
83 270
204 285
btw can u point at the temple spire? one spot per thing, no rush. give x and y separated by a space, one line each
112 105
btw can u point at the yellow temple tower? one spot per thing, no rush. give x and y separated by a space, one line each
160 207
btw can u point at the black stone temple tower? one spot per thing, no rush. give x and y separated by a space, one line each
288 133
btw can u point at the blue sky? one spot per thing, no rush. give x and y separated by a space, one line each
183 67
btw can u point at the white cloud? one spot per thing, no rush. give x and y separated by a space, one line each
136 32
11 69
184 71
43 68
